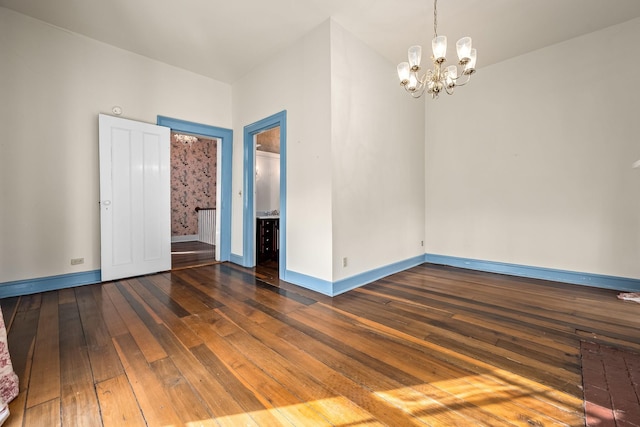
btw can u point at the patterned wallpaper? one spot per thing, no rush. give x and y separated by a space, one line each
193 182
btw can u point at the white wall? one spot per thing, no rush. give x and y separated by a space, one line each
355 145
377 160
531 162
53 84
296 80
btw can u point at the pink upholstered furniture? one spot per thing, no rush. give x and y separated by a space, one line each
8 379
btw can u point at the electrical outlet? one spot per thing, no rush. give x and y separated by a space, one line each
344 261
77 261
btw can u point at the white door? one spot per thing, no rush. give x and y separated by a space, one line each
135 206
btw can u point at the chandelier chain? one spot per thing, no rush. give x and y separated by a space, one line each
435 18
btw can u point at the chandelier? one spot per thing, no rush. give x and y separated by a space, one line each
185 139
439 78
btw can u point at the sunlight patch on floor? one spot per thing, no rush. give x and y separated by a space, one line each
340 410
455 396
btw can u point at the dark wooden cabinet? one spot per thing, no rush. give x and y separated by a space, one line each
267 239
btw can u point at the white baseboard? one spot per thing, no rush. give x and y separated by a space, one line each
189 238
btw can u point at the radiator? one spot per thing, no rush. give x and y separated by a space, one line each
207 226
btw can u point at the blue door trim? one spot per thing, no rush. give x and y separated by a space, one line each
248 209
226 138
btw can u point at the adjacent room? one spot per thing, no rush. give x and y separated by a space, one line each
286 213
193 200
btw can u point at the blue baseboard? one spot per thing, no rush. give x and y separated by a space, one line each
361 279
318 285
573 277
343 285
51 283
44 284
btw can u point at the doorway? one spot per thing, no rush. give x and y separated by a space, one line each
250 210
194 189
223 195
267 200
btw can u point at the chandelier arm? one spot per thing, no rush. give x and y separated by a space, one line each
422 84
418 91
464 82
423 79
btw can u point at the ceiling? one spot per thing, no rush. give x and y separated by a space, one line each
226 39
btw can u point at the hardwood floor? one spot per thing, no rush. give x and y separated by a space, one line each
218 345
192 254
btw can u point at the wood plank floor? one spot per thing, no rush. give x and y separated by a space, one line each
222 345
192 254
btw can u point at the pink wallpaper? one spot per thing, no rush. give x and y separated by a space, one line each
193 182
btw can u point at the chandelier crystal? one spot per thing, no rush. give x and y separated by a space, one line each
440 78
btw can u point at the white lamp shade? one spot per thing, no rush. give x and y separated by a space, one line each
415 55
413 82
463 46
451 75
439 46
452 72
471 65
403 71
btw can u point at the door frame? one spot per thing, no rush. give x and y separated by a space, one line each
249 176
225 136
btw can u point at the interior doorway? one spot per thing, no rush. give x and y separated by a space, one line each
267 199
194 190
224 144
250 210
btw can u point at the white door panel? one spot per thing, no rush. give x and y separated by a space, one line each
135 198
